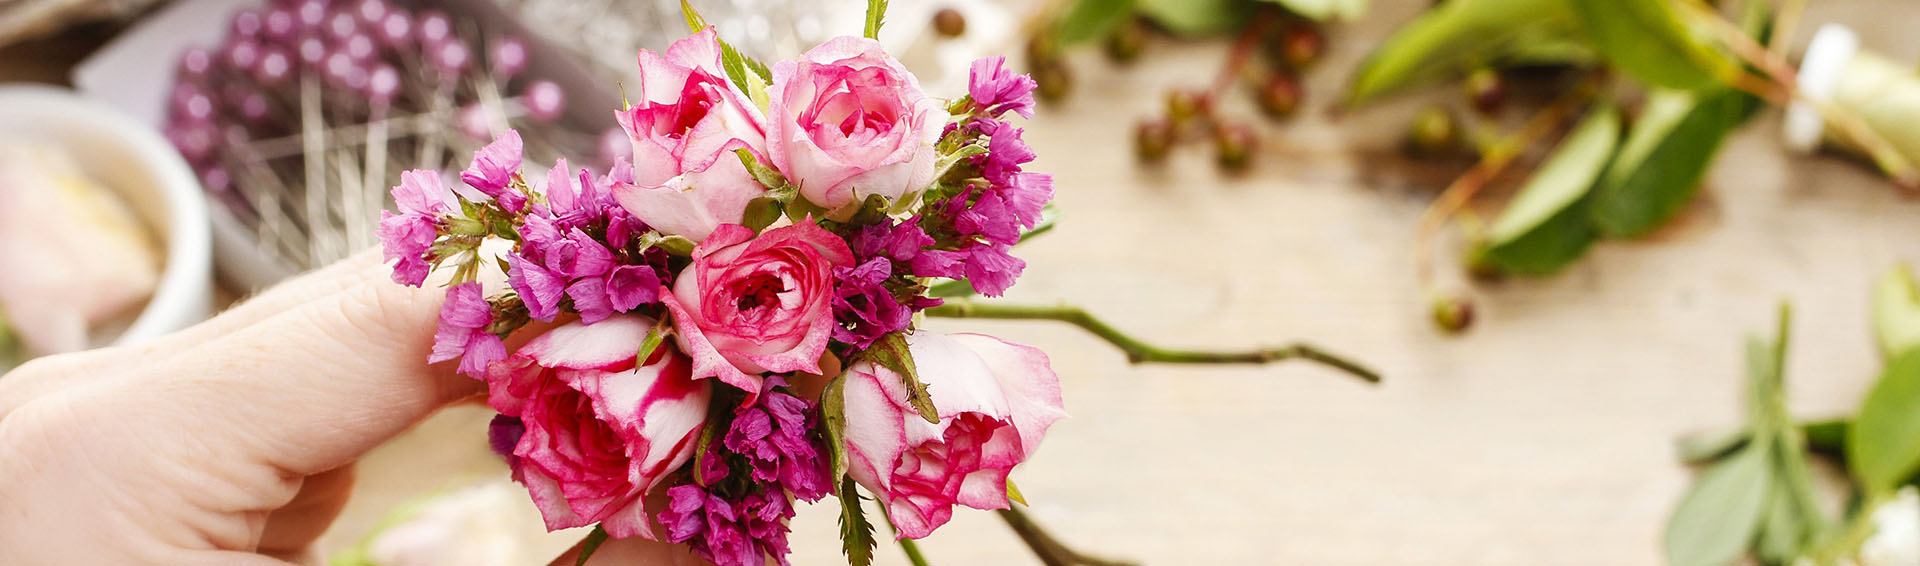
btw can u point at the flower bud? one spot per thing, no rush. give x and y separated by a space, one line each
949 22
1183 105
1453 314
1054 81
1485 91
1127 41
1233 146
1280 95
1432 133
1153 140
1301 45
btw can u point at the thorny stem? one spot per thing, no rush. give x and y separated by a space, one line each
1492 161
1050 551
1785 87
1139 351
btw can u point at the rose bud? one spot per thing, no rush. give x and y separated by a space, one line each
1153 140
600 431
684 128
847 121
753 304
995 400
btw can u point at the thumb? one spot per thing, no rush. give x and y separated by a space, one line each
317 385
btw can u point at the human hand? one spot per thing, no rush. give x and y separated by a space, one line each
231 442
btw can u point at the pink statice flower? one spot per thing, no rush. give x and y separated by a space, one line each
406 237
996 90
491 172
463 331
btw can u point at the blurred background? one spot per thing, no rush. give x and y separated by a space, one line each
1230 173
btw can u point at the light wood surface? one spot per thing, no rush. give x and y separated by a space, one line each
1542 437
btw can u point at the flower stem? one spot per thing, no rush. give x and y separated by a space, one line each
913 552
1050 551
1139 351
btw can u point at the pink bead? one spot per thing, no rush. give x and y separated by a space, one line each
242 54
359 47
274 68
342 25
472 121
195 108
216 180
544 101
383 84
312 51
397 29
246 23
615 146
280 24
310 14
451 58
339 68
435 29
372 12
254 107
509 58
195 63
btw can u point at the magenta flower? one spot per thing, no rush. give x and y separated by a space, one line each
864 306
539 288
741 520
492 170
1026 194
1006 151
997 90
991 268
405 238
463 332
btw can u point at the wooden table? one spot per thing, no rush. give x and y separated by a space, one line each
1542 437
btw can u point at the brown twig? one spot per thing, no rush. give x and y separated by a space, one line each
1049 550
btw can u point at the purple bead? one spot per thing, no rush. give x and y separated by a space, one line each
472 121
246 23
397 29
359 47
195 108
254 108
383 84
280 24
216 180
451 58
182 91
372 12
196 142
340 67
195 63
312 51
614 145
509 58
274 68
242 55
544 100
435 29
342 25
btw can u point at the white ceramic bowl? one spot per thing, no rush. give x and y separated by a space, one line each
133 160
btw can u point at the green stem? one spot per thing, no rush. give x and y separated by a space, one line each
1049 550
1139 351
913 551
1847 542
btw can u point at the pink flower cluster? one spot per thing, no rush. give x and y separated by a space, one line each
700 298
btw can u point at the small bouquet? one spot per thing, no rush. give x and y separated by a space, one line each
730 319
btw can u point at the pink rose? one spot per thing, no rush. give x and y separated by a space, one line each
847 121
749 305
685 127
995 401
599 432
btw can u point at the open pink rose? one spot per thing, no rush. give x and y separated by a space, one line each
749 305
599 432
684 128
847 121
995 401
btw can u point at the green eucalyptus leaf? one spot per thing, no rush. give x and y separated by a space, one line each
1896 311
1663 159
1647 39
1088 20
1883 447
1545 227
1721 512
1324 10
1197 18
1461 35
856 532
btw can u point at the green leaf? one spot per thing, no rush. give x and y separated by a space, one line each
1663 159
1721 511
761 212
1324 10
1088 20
856 533
1013 493
1197 18
736 65
1896 312
1647 39
833 410
1458 36
1545 227
766 176
891 352
876 17
1883 447
676 245
591 545
700 450
1782 532
655 335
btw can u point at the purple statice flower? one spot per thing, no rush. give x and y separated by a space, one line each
502 435
463 332
991 218
997 90
559 259
407 236
1026 194
1006 151
742 521
491 172
940 263
538 287
991 268
864 307
898 241
619 290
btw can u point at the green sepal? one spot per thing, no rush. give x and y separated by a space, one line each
891 352
856 532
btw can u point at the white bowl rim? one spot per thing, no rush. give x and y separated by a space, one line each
182 295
